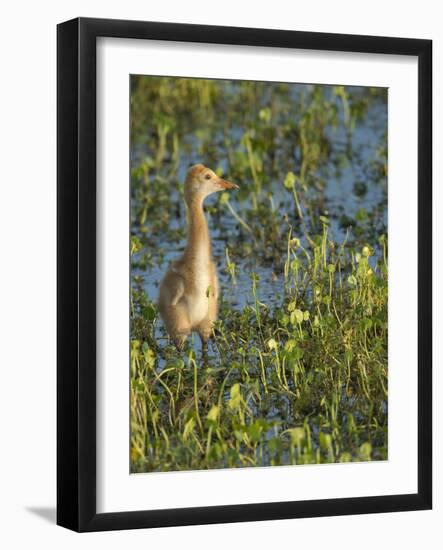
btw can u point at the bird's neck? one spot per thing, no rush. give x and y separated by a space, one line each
198 249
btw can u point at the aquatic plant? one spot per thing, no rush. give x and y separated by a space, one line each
297 372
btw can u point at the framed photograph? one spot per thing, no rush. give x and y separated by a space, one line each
244 274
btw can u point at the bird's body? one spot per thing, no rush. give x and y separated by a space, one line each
189 291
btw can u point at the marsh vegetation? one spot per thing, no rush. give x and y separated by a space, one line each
297 369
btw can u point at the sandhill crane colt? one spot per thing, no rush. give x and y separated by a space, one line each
189 291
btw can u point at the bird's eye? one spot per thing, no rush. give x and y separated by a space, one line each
208 177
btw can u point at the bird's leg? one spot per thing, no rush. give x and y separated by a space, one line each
180 339
204 337
204 350
204 331
178 343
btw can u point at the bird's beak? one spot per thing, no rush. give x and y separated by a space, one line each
226 184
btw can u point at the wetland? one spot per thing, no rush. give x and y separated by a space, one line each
297 369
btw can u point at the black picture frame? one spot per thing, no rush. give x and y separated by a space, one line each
76 266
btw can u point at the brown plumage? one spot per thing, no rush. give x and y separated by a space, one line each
189 291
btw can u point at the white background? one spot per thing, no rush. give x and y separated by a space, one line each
27 295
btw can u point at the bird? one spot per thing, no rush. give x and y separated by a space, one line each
188 294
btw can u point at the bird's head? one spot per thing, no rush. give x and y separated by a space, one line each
201 182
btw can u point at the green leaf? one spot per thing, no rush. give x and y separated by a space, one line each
297 316
361 215
136 245
352 281
284 320
224 198
236 399
213 413
365 451
325 441
255 431
297 435
272 344
189 428
290 180
290 345
149 312
265 114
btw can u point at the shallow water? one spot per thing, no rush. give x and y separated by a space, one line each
340 197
